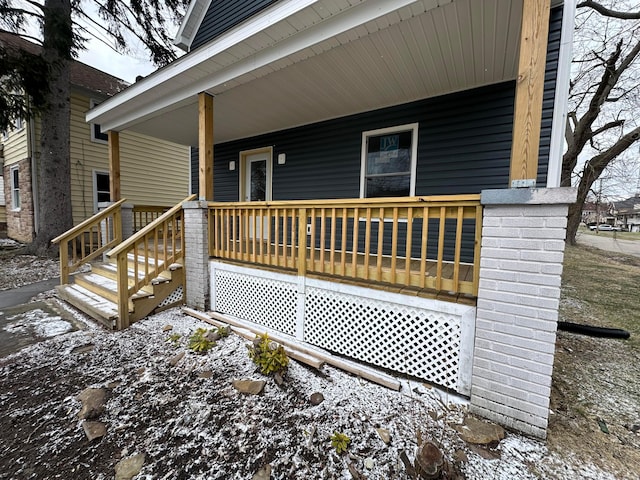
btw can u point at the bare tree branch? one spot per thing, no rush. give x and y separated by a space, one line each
602 10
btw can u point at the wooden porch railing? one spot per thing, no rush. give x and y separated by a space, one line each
143 215
89 239
149 252
422 242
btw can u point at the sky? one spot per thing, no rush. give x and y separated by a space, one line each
125 67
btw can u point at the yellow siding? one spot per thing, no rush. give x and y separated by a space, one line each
15 147
153 172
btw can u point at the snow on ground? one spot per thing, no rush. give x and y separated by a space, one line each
190 422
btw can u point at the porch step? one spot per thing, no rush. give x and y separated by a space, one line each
90 303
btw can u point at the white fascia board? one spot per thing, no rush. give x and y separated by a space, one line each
191 22
281 11
560 103
333 26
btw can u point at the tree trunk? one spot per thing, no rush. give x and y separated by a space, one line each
54 166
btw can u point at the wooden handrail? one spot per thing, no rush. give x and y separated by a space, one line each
419 242
101 215
471 199
85 241
164 239
127 244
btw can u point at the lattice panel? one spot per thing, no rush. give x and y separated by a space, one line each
411 340
176 296
265 301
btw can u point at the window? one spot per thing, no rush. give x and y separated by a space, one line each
101 191
2 201
18 123
15 188
96 132
389 162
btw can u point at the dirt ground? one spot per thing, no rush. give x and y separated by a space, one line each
186 418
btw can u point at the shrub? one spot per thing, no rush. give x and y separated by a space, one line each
268 355
340 442
199 343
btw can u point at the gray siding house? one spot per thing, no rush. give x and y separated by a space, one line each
379 179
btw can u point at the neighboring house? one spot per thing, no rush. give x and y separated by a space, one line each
156 172
598 212
378 179
627 213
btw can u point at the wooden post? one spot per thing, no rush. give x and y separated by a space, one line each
205 144
529 92
114 165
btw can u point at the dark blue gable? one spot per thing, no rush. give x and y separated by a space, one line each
223 15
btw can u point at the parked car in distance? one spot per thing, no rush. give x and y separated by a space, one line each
604 227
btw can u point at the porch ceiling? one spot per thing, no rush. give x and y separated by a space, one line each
328 59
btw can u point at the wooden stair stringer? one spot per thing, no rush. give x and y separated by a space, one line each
143 306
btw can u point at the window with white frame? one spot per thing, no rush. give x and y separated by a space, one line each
96 132
15 188
2 201
101 190
389 162
18 123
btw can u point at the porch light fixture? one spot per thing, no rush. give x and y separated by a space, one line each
232 165
282 158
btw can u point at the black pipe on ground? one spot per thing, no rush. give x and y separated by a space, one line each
592 331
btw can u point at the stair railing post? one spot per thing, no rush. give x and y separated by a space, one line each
123 291
64 262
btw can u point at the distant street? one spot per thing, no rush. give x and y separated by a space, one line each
609 243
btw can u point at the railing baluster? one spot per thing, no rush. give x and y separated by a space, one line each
456 258
367 243
323 244
425 243
277 239
285 237
408 245
343 246
268 223
380 244
312 240
332 243
354 251
443 219
394 244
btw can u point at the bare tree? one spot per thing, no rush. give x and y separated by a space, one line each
603 100
37 83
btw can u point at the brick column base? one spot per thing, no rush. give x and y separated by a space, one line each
521 259
196 260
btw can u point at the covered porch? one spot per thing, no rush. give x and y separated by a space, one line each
339 270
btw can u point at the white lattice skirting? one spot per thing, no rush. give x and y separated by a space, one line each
420 337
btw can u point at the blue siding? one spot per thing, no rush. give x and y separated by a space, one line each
223 15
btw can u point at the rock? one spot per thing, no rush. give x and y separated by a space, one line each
167 328
140 371
129 467
316 398
83 348
212 336
94 430
479 432
93 400
633 428
278 378
369 463
460 456
251 387
114 384
384 435
263 474
205 374
429 461
173 361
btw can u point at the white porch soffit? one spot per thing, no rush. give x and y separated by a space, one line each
302 61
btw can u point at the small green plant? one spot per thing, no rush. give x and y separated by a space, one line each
268 355
174 338
199 343
340 442
223 332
